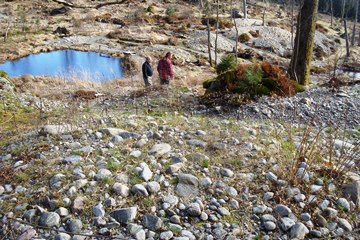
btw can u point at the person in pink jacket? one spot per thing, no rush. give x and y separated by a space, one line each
165 69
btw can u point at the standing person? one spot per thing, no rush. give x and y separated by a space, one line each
147 71
165 69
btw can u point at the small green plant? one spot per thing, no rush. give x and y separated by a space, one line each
169 11
113 166
136 180
3 74
227 63
204 163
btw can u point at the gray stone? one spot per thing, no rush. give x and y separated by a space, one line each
268 217
74 225
330 213
135 153
140 190
324 204
269 226
55 181
268 196
55 129
111 131
153 187
259 209
124 215
223 211
166 235
205 182
103 174
171 199
305 217
303 174
160 149
345 224
299 197
193 209
99 210
231 191
121 189
286 223
117 139
27 235
226 172
145 173
343 204
49 219
78 204
152 222
63 212
271 176
298 231
282 210
187 234
73 159
196 143
352 190
187 186
63 236
315 233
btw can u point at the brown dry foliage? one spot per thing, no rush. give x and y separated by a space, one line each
321 28
286 87
85 94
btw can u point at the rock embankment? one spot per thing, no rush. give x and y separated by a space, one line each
181 177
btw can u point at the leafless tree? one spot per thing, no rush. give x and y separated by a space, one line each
346 38
245 8
355 22
236 30
217 30
331 12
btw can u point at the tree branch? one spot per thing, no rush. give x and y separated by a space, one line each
65 3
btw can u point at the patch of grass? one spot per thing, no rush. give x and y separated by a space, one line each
107 181
21 177
113 166
135 179
204 163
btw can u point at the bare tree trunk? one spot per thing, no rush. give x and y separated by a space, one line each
292 23
359 39
201 4
263 15
302 55
332 12
217 30
236 31
209 40
7 31
343 9
355 22
245 8
346 38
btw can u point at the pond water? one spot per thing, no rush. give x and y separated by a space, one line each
67 64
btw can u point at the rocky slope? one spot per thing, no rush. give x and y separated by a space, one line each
163 174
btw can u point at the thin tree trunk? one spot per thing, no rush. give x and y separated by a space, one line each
201 4
217 30
209 39
292 24
359 39
245 9
7 31
263 15
343 9
355 22
346 38
236 31
332 12
302 55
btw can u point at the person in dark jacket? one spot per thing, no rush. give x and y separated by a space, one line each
147 71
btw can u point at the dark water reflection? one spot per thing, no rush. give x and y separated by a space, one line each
67 64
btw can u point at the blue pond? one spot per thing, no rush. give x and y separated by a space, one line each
67 64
